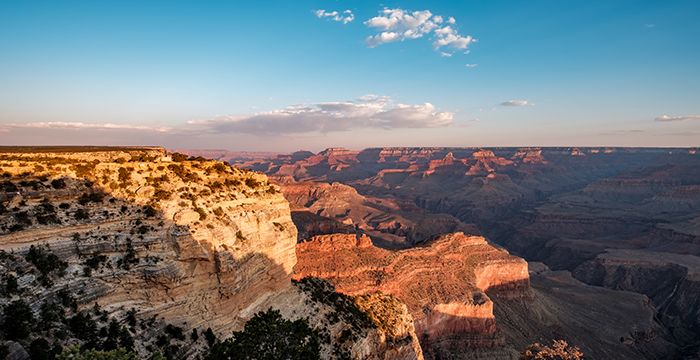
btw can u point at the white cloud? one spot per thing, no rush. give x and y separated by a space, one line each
344 17
399 24
82 125
668 118
448 37
366 112
517 102
471 65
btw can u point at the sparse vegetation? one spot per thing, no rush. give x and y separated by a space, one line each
95 197
124 176
81 214
58 184
252 183
76 353
385 312
269 336
346 308
18 320
202 213
149 211
559 350
46 262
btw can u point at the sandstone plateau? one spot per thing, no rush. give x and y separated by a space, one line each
178 244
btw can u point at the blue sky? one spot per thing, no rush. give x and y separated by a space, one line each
279 76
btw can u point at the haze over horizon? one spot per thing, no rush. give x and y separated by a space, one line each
284 76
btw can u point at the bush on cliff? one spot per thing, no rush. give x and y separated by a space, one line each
269 336
46 262
18 320
75 353
559 350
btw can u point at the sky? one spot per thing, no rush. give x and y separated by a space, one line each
290 75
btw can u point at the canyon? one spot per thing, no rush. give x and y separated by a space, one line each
387 253
615 222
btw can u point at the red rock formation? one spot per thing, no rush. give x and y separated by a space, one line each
530 156
322 208
443 282
486 162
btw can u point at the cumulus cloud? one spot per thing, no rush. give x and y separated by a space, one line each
471 65
344 17
517 102
669 118
399 25
366 112
82 125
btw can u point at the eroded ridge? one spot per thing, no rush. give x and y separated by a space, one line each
443 282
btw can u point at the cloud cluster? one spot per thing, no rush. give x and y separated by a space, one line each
669 118
399 24
82 125
344 17
369 111
366 112
517 102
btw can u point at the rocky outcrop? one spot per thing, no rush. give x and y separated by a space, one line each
195 243
443 283
210 226
671 281
321 208
563 307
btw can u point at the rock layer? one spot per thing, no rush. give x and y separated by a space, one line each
443 282
189 242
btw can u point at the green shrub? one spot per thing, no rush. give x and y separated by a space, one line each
81 214
269 336
58 184
8 186
75 353
9 285
46 262
40 349
178 157
83 326
149 211
95 197
202 213
124 176
18 320
51 312
559 350
252 183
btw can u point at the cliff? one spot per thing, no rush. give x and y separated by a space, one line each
195 243
322 208
443 283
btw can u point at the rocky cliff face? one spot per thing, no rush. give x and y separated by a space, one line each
194 243
671 281
205 238
323 208
443 283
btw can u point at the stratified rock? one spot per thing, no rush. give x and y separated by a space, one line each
443 283
195 243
